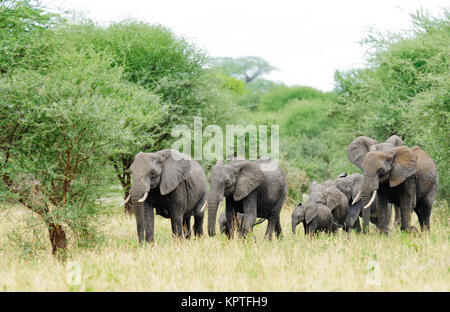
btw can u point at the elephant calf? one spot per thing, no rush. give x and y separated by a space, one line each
315 218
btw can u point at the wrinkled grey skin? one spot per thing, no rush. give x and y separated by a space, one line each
350 186
329 195
237 222
176 186
315 217
406 177
256 189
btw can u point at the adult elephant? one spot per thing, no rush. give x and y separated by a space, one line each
406 177
350 185
256 189
171 183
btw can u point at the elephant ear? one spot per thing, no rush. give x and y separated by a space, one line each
404 164
357 150
333 198
249 177
395 140
311 213
175 169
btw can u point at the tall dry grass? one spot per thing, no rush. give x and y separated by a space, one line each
373 262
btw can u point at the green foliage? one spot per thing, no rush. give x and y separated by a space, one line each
23 24
58 125
234 85
153 57
404 89
277 98
313 139
60 121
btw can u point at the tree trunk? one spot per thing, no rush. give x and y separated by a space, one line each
124 177
58 239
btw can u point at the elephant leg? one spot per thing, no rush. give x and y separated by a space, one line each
187 226
426 215
271 225
198 216
149 225
198 224
384 213
273 222
312 227
177 226
278 230
423 211
230 217
249 214
334 226
407 205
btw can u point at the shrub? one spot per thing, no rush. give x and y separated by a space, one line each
59 123
404 89
277 98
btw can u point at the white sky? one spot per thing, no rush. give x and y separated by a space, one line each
306 40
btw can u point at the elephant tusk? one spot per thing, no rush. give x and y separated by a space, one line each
374 195
358 196
204 205
143 198
126 200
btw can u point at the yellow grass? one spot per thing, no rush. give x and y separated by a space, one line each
400 262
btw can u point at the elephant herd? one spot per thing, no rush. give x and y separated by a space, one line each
175 185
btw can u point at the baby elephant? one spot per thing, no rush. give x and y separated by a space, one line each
239 218
315 218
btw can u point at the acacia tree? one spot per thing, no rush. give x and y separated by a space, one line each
247 68
59 121
153 57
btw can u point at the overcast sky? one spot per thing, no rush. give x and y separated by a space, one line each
306 40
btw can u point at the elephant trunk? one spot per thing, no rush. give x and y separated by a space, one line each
365 197
369 189
294 225
138 208
212 213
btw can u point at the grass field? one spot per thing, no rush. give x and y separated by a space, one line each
400 262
